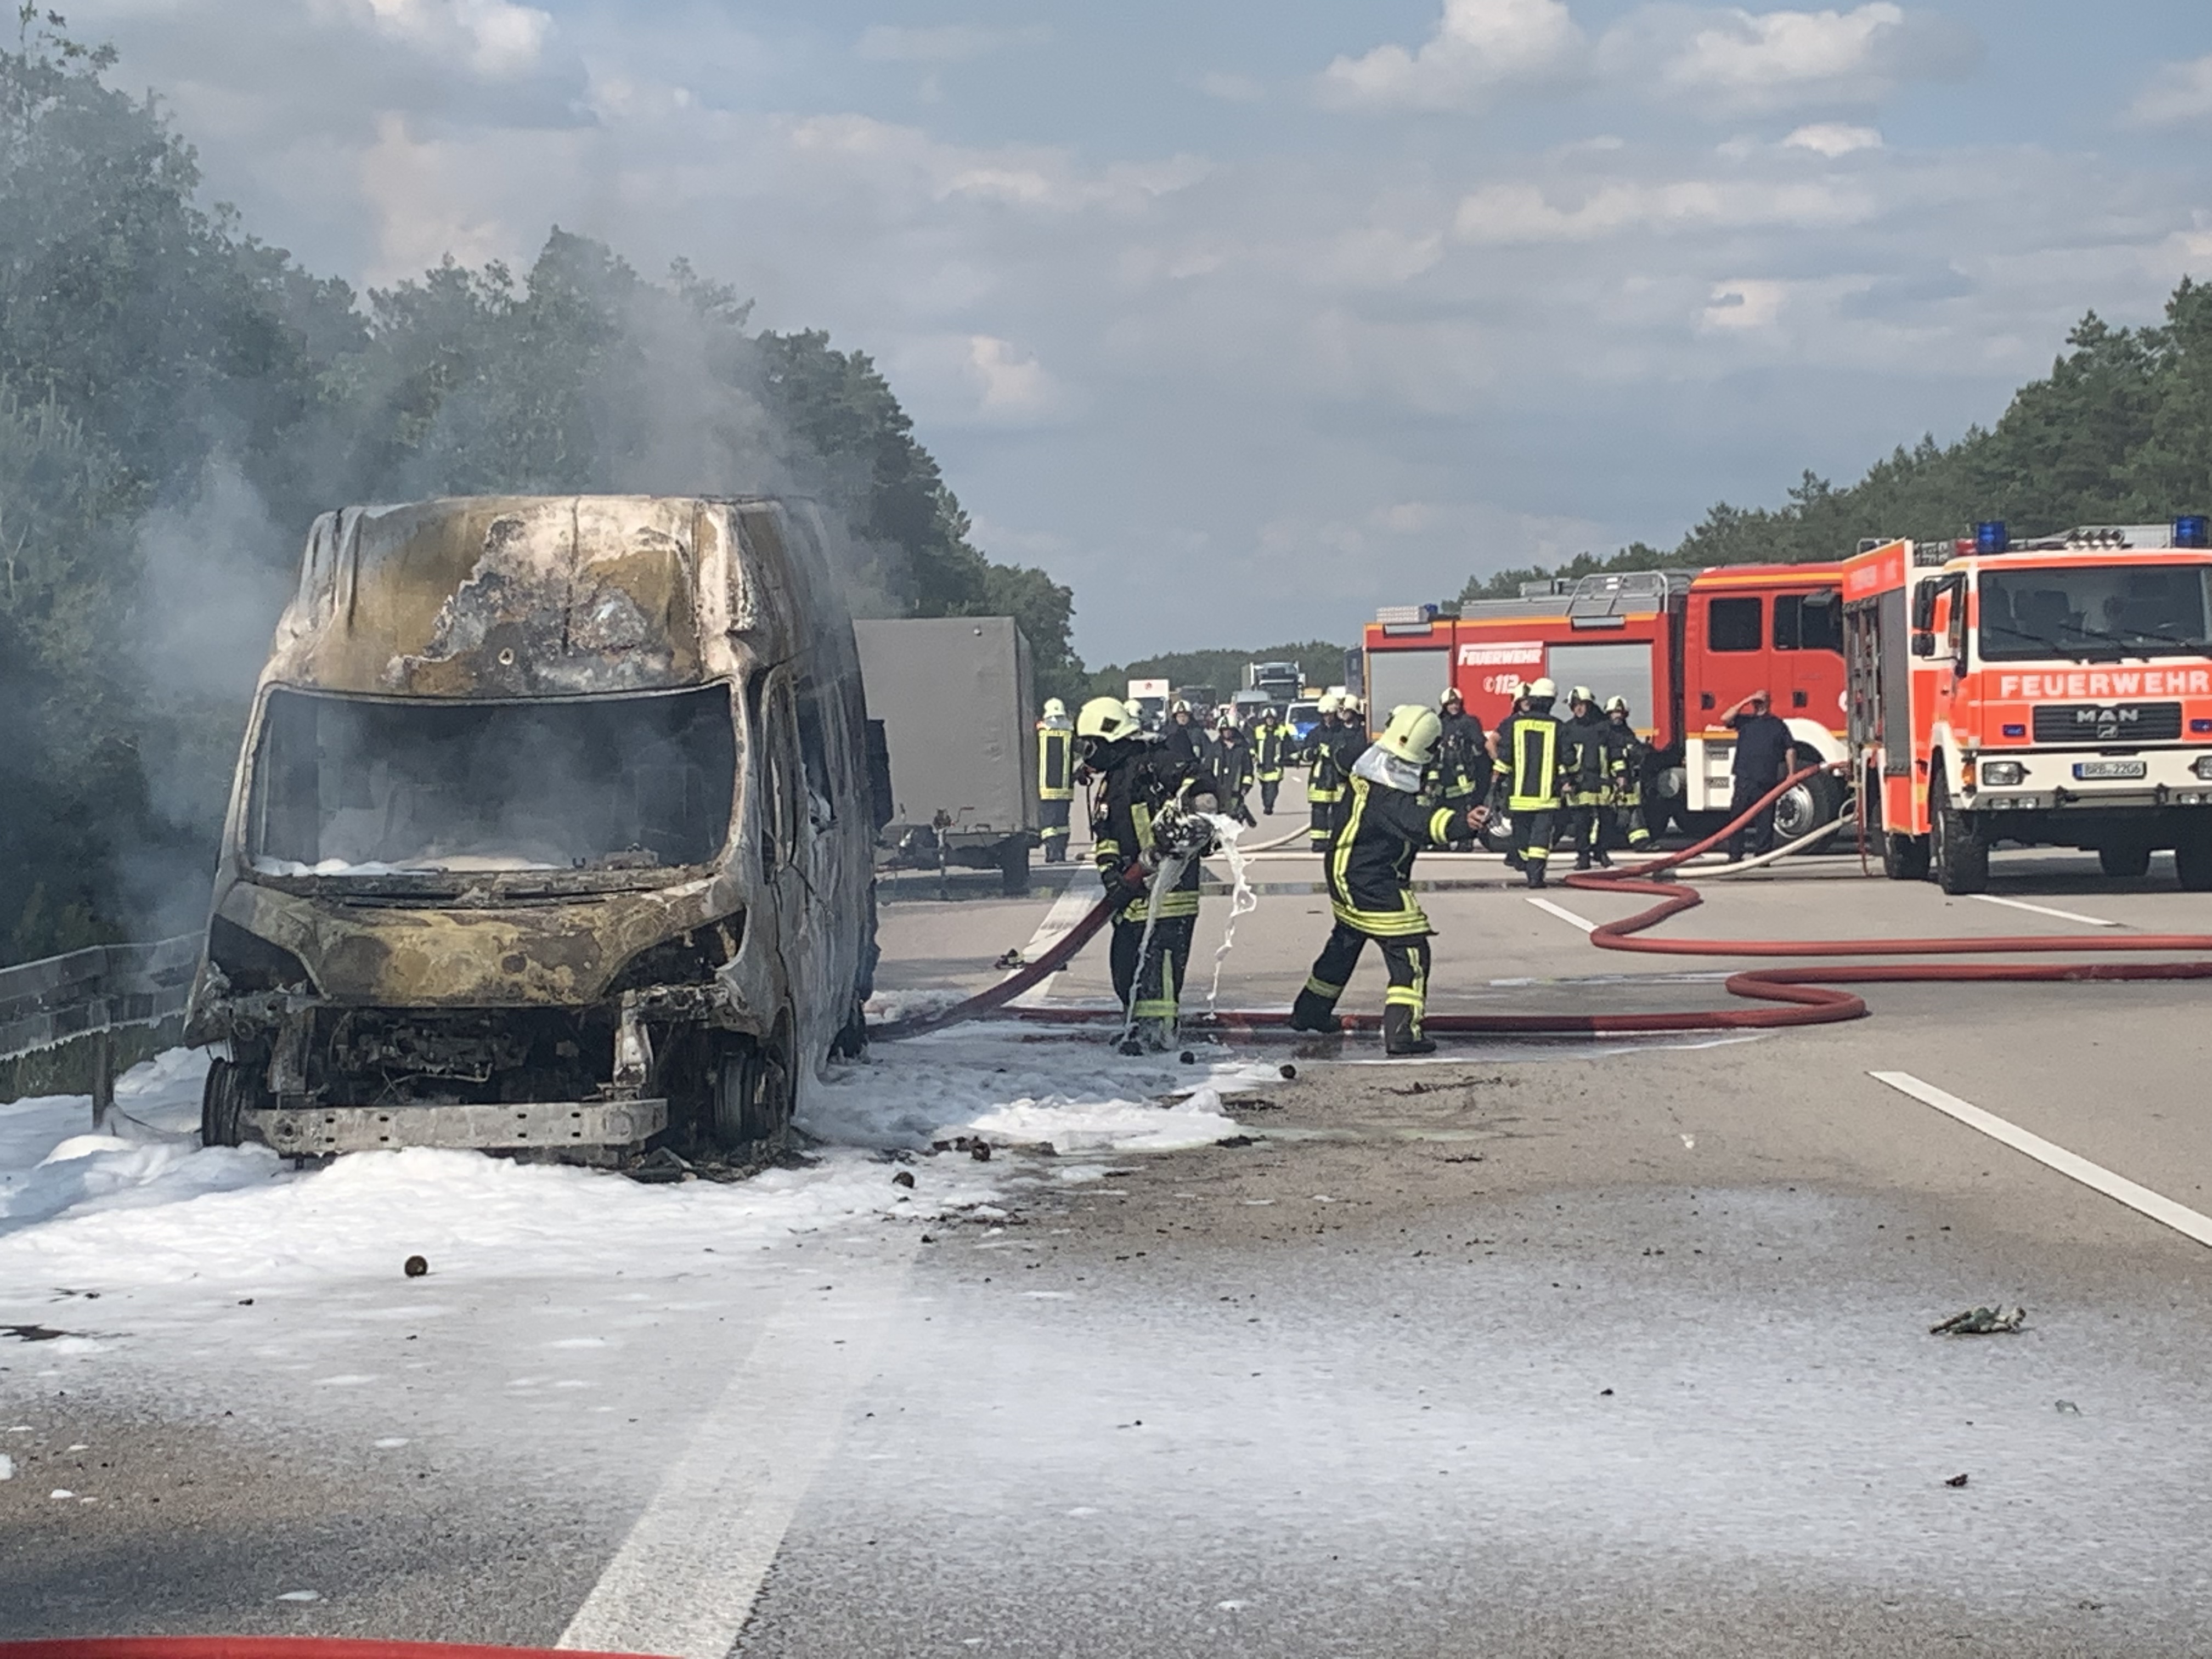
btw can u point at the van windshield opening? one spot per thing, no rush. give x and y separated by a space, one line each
374 785
2094 611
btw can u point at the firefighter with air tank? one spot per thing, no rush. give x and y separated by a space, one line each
1272 740
1620 816
1587 783
1323 784
1532 750
1147 819
1381 824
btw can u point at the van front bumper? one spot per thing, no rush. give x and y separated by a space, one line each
312 1131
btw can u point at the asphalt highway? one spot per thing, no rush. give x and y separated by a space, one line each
1534 1349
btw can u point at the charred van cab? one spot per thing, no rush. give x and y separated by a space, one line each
551 831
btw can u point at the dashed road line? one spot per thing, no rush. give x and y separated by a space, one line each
2045 910
1563 914
2159 1207
685 1579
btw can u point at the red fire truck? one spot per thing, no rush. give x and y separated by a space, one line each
1683 647
2053 692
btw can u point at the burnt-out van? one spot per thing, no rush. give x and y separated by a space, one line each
550 831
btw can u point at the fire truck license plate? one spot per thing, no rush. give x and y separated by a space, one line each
2108 769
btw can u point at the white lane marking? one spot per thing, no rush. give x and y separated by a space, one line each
1073 904
2044 910
684 1580
2156 1206
1563 914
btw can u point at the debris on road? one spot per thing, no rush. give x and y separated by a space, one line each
1012 958
659 1167
1981 1322
32 1333
1956 1481
903 1178
2066 1408
1237 1140
415 1266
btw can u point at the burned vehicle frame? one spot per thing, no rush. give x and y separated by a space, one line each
550 832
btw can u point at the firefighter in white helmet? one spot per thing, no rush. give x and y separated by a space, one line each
1141 779
1324 784
1621 818
1370 868
1055 779
1462 762
1532 748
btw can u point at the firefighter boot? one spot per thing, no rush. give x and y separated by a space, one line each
1401 1035
1314 1013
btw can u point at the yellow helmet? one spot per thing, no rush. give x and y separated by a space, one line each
1329 702
1412 733
1054 709
1105 719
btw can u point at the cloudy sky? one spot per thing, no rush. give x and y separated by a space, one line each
1245 317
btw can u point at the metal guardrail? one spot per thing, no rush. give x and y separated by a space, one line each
94 993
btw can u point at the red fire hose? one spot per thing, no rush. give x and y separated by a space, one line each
1803 996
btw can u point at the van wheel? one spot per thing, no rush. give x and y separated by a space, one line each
232 1090
2127 860
1961 856
751 1100
2192 860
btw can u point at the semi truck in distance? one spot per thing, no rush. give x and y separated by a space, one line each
954 698
550 833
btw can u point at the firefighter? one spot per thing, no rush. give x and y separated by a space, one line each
1462 762
1324 785
1763 753
1621 818
1182 731
1233 769
1270 744
1145 785
1586 756
1532 744
1370 891
1055 779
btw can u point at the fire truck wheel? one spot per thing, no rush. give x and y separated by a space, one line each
1961 856
2192 862
1904 858
2126 860
1813 805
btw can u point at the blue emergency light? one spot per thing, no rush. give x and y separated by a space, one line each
1990 536
2192 530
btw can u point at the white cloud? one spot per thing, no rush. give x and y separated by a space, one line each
2179 92
1231 88
1745 304
1725 61
1526 213
1834 138
1479 46
496 38
950 43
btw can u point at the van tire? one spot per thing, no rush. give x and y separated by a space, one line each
1961 856
749 1099
231 1091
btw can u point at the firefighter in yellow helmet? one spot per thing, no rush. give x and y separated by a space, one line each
1531 745
1370 869
1055 779
1144 783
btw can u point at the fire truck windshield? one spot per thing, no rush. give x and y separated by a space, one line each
2093 612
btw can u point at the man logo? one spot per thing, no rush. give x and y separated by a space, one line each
2104 724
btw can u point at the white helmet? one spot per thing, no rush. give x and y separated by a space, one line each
1545 687
1412 733
1329 703
1349 704
1054 709
1105 719
1616 704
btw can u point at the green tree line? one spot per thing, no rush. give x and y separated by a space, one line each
179 399
2120 432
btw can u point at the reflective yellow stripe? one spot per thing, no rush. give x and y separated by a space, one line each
1384 924
1322 987
1150 1008
1402 996
1440 825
